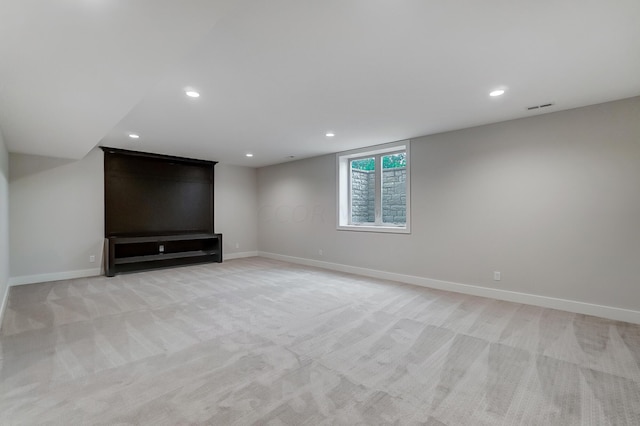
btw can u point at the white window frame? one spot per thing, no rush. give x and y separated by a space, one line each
343 191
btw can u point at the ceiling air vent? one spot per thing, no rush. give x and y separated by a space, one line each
531 108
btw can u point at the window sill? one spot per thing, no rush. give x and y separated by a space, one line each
373 228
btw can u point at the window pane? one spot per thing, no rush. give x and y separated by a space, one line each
363 164
394 189
363 190
394 161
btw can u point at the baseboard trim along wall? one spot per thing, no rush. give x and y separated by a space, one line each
232 256
5 299
83 273
55 276
609 312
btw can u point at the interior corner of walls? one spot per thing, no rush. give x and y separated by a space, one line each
240 255
4 225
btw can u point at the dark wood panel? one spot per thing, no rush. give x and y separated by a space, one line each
154 168
151 194
138 205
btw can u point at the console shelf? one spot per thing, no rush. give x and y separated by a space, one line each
137 253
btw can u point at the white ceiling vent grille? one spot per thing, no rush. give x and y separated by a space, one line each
531 108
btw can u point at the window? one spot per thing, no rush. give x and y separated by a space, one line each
374 189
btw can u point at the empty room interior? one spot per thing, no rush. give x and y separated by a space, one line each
316 213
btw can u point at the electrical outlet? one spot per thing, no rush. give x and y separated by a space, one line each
237 245
92 258
496 275
161 248
320 252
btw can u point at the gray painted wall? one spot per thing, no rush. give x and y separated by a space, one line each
57 213
551 201
4 221
236 206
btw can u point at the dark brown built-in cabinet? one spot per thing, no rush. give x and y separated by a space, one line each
158 211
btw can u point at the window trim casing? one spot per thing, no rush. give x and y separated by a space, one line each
343 188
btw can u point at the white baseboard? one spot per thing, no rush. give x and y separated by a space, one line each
232 256
5 299
68 275
609 312
54 276
618 314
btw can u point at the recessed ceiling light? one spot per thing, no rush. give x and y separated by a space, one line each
134 136
249 154
498 92
330 134
192 93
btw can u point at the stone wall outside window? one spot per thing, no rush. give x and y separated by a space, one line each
393 196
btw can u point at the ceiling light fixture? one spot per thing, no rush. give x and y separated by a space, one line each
192 94
134 136
249 154
498 92
330 134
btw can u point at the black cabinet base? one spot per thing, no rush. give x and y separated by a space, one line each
140 253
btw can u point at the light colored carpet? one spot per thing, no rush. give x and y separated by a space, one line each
256 341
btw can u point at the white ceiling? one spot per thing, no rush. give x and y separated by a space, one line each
275 76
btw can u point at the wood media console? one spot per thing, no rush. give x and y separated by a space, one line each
127 254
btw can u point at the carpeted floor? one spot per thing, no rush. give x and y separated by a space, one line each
256 341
